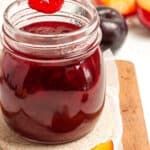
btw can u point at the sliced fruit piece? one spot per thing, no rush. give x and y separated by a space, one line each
104 146
125 7
144 17
143 11
144 4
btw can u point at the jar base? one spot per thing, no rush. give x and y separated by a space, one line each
55 143
58 142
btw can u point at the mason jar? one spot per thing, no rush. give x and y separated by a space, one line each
53 81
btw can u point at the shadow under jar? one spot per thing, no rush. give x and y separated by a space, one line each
52 85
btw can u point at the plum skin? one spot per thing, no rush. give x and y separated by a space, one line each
114 28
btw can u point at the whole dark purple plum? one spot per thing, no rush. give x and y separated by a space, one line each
114 28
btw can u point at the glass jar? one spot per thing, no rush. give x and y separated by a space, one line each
52 84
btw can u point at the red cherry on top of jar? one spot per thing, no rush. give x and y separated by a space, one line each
46 6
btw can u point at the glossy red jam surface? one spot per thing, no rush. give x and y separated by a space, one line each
46 6
51 104
50 28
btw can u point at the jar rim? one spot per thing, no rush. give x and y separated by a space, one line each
56 46
92 23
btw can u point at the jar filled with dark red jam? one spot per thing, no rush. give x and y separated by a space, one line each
52 84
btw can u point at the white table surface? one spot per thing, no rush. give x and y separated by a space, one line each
135 49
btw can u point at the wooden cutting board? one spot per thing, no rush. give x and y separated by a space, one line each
135 135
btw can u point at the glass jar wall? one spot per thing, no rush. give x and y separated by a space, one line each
52 83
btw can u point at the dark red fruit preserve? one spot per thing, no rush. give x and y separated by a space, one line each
47 28
52 84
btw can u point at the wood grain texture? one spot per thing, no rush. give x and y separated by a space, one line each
135 135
